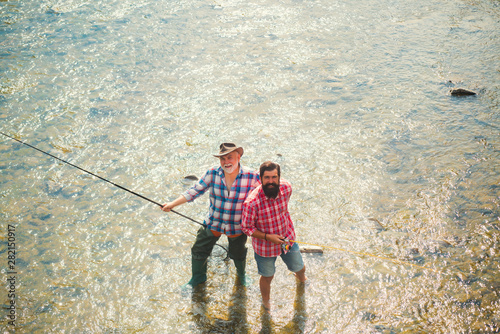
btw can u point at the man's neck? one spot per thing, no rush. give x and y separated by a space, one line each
230 178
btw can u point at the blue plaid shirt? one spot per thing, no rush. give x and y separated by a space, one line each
226 209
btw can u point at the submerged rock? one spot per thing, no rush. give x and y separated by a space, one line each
42 213
443 243
368 316
72 191
52 187
437 247
461 92
368 226
376 224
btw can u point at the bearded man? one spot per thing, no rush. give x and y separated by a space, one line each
267 220
228 185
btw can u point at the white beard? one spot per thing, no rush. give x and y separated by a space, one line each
230 169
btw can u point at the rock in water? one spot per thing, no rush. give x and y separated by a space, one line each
376 224
189 179
461 92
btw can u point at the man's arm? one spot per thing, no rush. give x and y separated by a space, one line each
274 238
178 201
192 193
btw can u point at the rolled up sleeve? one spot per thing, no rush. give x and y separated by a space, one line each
248 218
199 188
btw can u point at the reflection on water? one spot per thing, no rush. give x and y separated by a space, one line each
237 317
352 101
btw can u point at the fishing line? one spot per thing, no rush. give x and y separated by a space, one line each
368 254
99 177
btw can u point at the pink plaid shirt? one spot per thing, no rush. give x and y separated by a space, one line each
269 216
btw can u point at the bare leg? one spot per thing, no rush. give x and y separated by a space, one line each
265 291
301 275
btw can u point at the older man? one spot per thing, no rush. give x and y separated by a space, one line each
228 185
267 220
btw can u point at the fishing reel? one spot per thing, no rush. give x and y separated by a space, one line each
286 246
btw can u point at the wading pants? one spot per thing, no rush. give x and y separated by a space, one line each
202 248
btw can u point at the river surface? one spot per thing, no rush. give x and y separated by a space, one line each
352 98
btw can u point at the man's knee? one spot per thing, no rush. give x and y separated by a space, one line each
266 279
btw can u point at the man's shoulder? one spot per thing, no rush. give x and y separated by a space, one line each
213 169
285 183
249 171
254 194
285 188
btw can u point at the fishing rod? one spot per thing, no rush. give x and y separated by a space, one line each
99 177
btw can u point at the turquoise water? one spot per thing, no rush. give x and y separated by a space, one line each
351 98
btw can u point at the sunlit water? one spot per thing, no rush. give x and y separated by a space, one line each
351 98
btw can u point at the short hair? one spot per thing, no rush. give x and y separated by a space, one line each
269 166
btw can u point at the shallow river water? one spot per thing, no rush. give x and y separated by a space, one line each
396 179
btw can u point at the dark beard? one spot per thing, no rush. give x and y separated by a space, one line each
271 192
